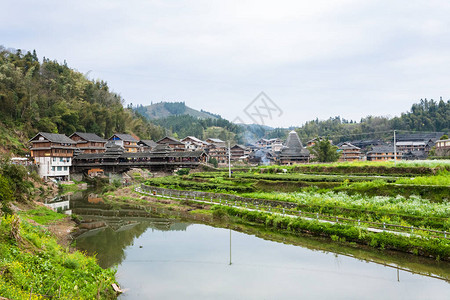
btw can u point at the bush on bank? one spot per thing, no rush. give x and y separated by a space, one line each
30 258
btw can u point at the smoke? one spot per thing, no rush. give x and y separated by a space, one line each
262 156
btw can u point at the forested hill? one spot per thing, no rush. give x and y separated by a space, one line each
50 96
168 109
425 116
183 121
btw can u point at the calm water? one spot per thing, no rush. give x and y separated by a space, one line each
174 260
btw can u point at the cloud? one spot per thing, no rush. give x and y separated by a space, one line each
218 55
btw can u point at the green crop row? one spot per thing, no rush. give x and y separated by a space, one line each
421 245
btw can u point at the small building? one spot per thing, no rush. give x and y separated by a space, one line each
217 142
294 152
220 153
146 145
443 147
239 152
173 143
89 142
406 146
53 154
127 141
350 152
383 153
192 143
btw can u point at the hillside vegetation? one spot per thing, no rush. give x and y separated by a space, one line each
50 96
425 116
168 109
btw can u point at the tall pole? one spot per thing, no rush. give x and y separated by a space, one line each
229 160
230 246
395 149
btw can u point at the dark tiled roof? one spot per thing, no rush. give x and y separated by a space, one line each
148 143
216 140
54 138
172 139
239 146
382 149
419 136
347 145
124 137
294 147
90 137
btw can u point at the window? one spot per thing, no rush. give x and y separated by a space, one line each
59 168
65 168
61 159
53 169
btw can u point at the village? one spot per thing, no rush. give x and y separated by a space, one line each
57 156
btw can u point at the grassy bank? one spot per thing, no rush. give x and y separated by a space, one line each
350 233
418 203
32 262
425 246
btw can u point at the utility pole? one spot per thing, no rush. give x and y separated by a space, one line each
229 160
230 246
395 149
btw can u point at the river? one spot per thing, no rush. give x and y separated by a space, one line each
166 258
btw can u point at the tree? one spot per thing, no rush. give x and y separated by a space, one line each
6 195
444 137
324 151
213 161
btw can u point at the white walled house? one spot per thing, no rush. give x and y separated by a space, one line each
53 154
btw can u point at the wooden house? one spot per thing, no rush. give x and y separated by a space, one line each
192 143
127 141
239 152
146 145
350 152
217 142
383 153
89 142
173 143
53 154
220 153
443 147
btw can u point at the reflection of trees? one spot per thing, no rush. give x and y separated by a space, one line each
109 245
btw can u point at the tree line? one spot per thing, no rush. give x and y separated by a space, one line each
49 96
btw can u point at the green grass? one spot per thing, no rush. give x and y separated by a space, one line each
419 245
35 261
42 215
443 179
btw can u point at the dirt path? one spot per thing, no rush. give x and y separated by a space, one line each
62 229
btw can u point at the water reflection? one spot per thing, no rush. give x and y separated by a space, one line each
60 204
193 263
164 258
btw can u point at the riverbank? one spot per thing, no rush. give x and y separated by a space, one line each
37 260
128 204
420 244
33 265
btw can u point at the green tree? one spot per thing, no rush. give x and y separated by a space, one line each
6 195
213 161
324 151
444 137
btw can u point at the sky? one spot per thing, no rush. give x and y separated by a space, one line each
312 59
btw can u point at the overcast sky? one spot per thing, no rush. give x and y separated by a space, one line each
314 59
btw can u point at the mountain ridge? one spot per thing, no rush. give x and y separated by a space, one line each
165 109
